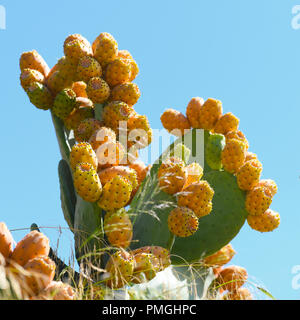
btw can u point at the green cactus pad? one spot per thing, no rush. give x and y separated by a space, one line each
151 207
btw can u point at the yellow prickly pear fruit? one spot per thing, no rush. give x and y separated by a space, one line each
79 87
118 228
97 90
127 92
116 194
86 128
182 222
101 136
233 155
41 272
172 175
56 290
28 76
77 36
33 245
193 111
232 277
197 197
120 266
269 184
87 182
249 174
175 122
83 152
73 120
110 154
194 173
6 241
227 123
140 168
139 131
105 48
145 264
266 222
238 294
250 156
221 257
125 54
210 113
117 72
88 67
238 135
75 49
258 200
33 60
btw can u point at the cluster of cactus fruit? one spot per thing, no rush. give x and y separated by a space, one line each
145 218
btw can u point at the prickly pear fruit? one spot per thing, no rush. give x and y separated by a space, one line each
73 120
116 194
105 48
249 174
238 135
228 122
120 267
97 90
117 72
172 175
266 222
64 103
250 156
118 228
140 168
33 60
232 278
213 150
258 200
102 136
197 197
83 152
28 76
233 155
194 173
41 272
210 113
87 182
56 290
6 241
88 67
75 49
238 294
40 96
33 245
269 184
182 222
139 131
175 122
77 36
79 87
127 92
145 265
110 154
86 129
125 54
193 112
221 257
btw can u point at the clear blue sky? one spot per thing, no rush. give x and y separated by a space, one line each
244 53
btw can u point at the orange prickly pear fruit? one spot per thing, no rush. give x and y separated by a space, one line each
250 156
33 60
86 128
101 136
140 168
127 92
182 222
233 155
73 120
97 90
117 72
221 257
88 67
139 131
238 294
266 222
194 173
28 76
77 36
6 241
258 200
172 175
146 264
210 113
110 154
83 152
232 278
33 245
79 87
227 123
118 228
238 135
193 111
249 174
56 290
269 184
75 49
125 54
175 122
105 48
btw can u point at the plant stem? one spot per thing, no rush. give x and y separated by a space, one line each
171 242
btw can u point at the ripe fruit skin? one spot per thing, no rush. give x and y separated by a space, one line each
110 154
79 87
28 76
125 54
83 152
145 264
75 49
172 175
120 266
139 131
118 72
127 92
250 156
140 168
56 290
64 103
266 222
97 90
221 257
258 200
238 294
105 48
175 122
197 197
33 245
88 67
193 111
87 182
233 155
269 184
86 128
101 136
118 228
211 112
182 222
116 193
42 272
232 277
194 173
6 241
114 112
40 96
228 122
249 174
33 60
238 135
73 120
